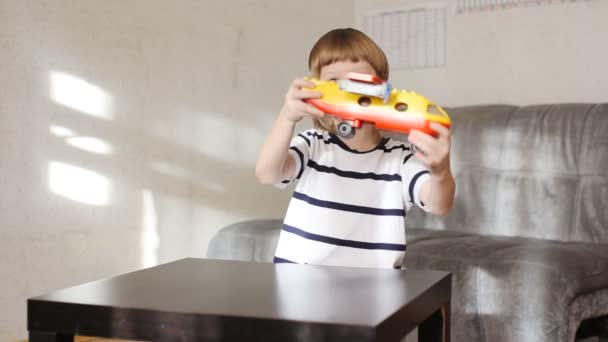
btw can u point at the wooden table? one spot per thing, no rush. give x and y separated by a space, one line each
216 300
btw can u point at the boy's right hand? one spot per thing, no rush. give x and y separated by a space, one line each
295 108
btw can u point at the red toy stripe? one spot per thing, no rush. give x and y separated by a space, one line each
367 78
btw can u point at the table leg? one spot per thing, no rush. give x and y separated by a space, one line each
436 328
37 336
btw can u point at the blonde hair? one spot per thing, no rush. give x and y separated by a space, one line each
345 44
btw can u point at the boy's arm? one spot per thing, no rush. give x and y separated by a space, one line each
274 163
437 193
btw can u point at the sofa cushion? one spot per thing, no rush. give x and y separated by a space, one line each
510 288
534 171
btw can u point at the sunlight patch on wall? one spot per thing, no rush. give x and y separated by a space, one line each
80 95
61 131
78 184
150 240
90 144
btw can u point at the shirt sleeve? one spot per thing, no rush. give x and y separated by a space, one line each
413 175
299 150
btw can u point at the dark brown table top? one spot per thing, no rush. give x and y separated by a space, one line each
214 295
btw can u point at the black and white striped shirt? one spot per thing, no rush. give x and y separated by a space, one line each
348 207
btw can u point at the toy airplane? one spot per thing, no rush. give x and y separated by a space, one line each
366 98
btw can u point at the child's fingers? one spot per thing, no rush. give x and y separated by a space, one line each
301 94
423 158
433 151
297 91
443 133
300 83
421 140
425 145
310 110
421 149
439 128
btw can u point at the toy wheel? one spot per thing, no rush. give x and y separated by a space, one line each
345 129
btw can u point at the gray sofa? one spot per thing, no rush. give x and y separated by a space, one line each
527 239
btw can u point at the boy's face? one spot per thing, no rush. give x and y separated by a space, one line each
338 70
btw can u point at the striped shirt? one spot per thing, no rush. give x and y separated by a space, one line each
348 207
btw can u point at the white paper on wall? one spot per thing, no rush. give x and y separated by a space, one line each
412 38
465 6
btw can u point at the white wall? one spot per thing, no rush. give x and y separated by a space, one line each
526 55
175 98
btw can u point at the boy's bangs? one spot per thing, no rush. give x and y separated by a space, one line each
341 53
347 45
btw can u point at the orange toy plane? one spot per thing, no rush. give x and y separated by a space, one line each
366 98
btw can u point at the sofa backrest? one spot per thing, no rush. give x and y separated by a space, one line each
536 171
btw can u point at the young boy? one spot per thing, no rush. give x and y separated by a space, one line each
350 202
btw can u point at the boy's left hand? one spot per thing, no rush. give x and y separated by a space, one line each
433 151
